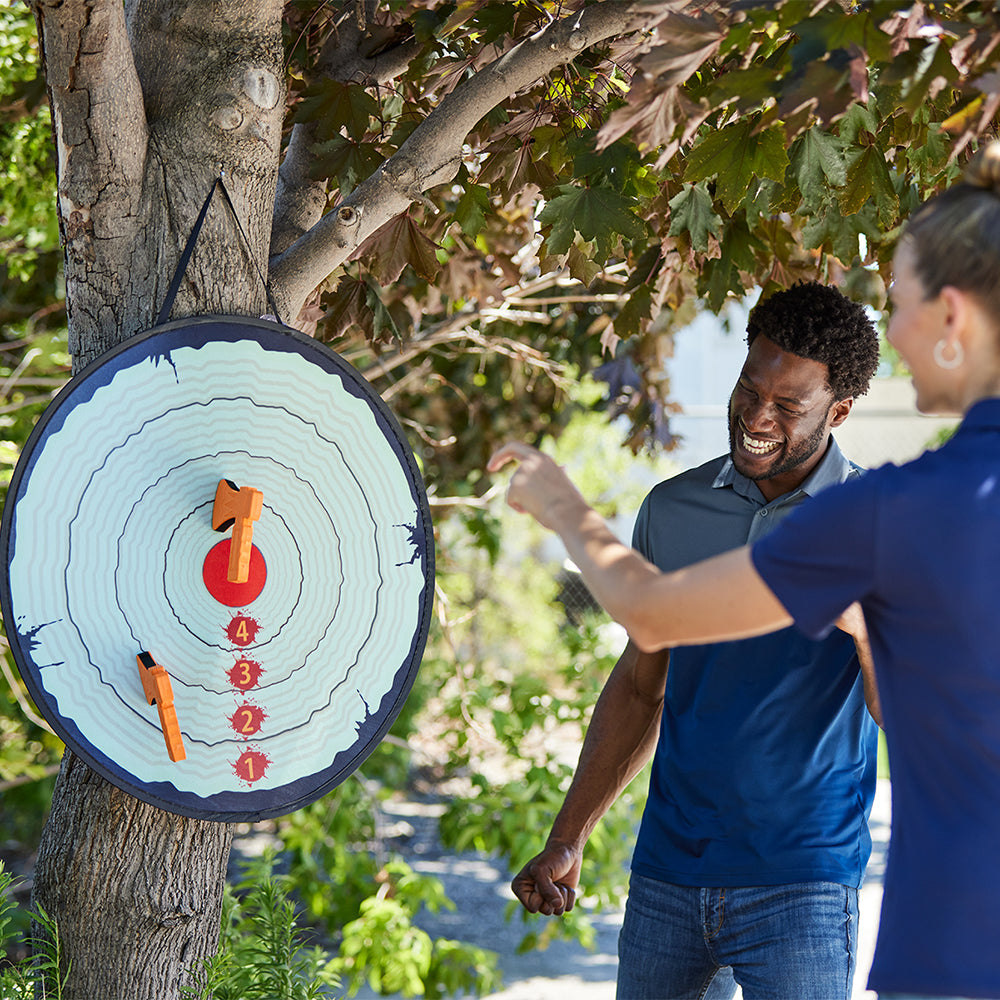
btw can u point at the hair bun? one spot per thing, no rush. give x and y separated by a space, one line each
983 170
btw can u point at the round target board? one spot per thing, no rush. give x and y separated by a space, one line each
219 567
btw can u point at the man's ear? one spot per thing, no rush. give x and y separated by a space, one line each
839 411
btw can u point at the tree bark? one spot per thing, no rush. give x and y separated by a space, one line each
136 892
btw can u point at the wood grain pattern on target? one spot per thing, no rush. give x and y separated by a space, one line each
280 690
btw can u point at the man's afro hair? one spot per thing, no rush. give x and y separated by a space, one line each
817 322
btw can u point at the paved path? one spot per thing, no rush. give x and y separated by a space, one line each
565 971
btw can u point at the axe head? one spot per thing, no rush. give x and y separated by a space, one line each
232 502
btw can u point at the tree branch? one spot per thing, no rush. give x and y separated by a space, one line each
301 199
431 155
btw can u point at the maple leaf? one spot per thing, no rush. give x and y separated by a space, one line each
597 213
735 155
816 162
692 211
836 233
512 167
680 46
472 207
348 311
868 177
649 117
333 106
350 162
398 243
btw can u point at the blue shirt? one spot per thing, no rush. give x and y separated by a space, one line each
919 546
764 771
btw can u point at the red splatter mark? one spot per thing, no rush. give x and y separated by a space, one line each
242 630
247 719
235 595
251 766
245 674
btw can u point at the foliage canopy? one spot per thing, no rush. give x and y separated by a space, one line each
691 151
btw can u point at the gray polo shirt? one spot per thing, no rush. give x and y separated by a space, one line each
748 516
765 766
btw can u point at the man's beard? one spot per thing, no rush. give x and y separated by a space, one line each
802 453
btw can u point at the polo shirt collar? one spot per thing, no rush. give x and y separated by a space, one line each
833 468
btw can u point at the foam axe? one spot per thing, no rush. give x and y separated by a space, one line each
238 508
157 688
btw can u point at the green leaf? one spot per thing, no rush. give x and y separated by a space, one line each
692 211
333 105
734 155
817 161
934 69
825 32
616 165
472 208
721 277
600 214
859 118
350 162
558 213
929 158
868 178
750 87
636 308
830 231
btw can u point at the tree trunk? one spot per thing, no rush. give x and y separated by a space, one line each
136 892
151 101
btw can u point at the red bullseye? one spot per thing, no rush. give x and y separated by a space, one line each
235 595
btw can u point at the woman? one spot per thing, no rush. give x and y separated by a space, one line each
919 547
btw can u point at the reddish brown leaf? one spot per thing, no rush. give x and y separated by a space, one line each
398 243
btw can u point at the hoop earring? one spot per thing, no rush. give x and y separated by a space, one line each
948 363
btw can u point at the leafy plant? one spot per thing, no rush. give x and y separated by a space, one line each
38 974
261 952
385 947
510 818
367 900
29 758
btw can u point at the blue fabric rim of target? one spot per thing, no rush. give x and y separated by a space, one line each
156 345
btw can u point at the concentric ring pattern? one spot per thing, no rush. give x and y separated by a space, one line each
107 528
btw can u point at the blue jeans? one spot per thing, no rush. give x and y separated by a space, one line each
781 942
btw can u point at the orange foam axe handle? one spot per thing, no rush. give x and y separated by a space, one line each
157 688
239 508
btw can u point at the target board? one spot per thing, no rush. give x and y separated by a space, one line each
207 696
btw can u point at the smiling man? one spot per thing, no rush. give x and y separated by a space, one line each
755 834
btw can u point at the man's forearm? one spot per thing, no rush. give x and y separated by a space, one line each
620 739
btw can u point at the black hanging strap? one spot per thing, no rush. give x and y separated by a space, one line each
175 284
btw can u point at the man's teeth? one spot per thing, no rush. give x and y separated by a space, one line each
756 447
